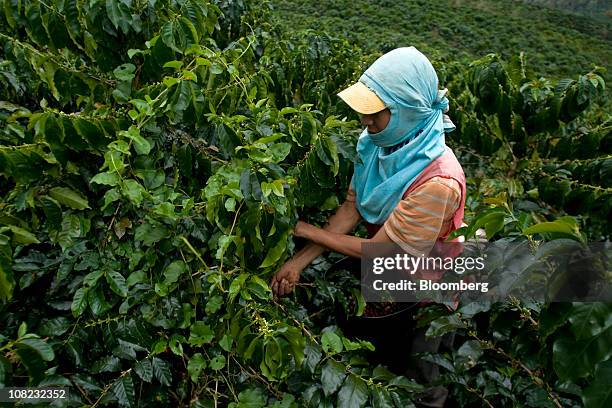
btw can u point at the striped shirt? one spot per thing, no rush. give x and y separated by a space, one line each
420 218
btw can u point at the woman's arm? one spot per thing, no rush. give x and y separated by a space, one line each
338 242
342 222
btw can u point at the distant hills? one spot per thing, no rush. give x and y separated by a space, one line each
556 43
599 8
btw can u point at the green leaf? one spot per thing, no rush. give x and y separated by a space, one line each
52 210
54 327
277 188
226 342
90 132
4 369
127 350
136 277
259 287
167 36
92 278
110 196
406 384
566 226
10 13
23 329
176 345
119 14
79 302
141 145
468 354
33 362
69 198
165 209
279 151
200 334
22 236
331 342
333 374
381 398
195 366
275 253
574 359
144 370
251 398
150 232
159 346
213 304
134 51
599 393
288 401
492 220
108 364
552 317
106 178
123 389
134 191
237 285
216 68
266 188
589 319
117 283
313 357
333 152
173 272
71 10
73 226
97 301
125 72
161 369
173 64
353 394
42 348
7 282
217 363
443 325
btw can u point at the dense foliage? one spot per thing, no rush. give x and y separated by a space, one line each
154 158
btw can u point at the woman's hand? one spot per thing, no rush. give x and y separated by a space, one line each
303 230
286 278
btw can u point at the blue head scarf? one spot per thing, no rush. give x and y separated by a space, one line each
407 83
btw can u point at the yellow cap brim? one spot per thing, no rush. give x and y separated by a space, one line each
361 99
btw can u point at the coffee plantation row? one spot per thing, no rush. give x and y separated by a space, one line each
154 159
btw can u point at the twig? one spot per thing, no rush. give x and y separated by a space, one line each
230 234
255 374
475 392
216 392
533 376
301 325
195 306
83 393
109 386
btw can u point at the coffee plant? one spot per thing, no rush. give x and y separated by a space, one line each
154 159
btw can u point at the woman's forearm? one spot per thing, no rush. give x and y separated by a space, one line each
344 244
339 242
343 221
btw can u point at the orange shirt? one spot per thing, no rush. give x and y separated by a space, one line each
424 215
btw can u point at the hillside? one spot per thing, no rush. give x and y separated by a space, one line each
595 8
555 43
